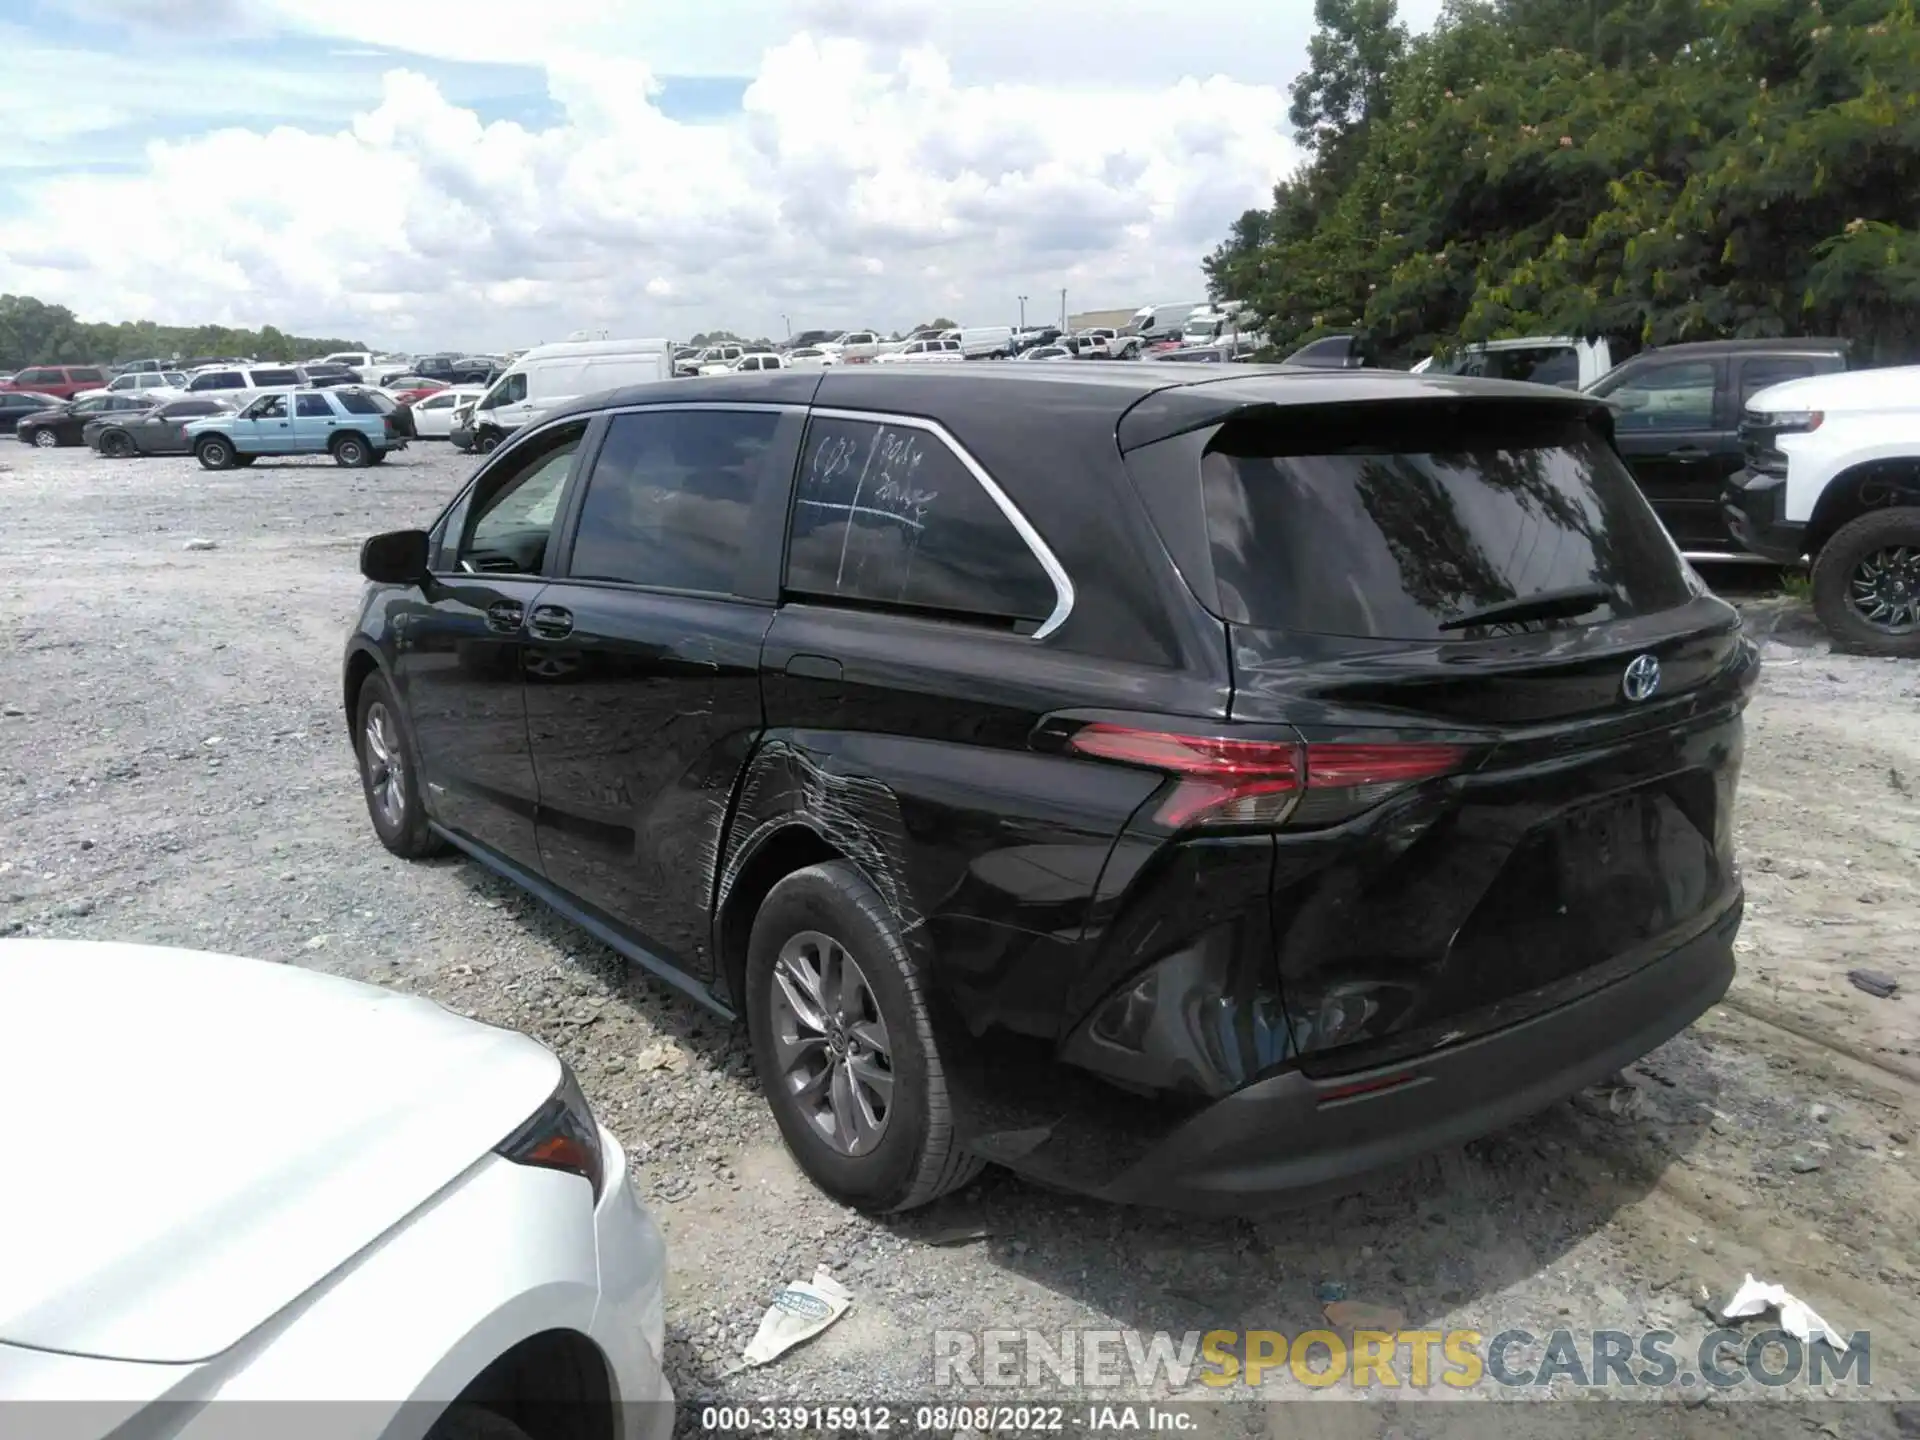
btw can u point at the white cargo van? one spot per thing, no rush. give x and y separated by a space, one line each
986 342
548 376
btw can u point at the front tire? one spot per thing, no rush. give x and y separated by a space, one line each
215 453
352 452
487 441
1866 583
844 1047
45 439
389 773
115 446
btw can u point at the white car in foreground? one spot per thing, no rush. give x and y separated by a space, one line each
306 1188
433 414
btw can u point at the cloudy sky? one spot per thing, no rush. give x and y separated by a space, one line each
475 173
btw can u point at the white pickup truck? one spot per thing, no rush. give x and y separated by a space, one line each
1833 473
857 347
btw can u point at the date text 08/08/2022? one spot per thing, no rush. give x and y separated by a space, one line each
946 1419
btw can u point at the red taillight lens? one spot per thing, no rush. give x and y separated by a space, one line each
1264 782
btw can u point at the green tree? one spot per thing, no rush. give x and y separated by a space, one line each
1744 167
35 333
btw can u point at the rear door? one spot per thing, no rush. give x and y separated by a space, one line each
1677 431
642 661
1561 782
314 422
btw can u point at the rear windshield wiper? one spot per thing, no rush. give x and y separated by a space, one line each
1542 605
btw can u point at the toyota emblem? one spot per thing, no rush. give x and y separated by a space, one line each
1642 678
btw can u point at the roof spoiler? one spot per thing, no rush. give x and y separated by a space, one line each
1179 409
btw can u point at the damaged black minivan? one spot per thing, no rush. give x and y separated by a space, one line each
1191 789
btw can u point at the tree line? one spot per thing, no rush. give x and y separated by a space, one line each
1650 170
35 333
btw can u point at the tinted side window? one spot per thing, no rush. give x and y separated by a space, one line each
1756 375
37 377
887 514
308 403
183 409
355 402
88 376
1675 396
218 380
512 510
672 496
276 377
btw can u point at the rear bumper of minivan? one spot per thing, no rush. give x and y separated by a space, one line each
1295 1137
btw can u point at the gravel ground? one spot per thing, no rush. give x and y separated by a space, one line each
174 768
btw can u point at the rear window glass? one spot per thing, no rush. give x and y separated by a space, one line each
888 515
1541 364
356 402
1325 529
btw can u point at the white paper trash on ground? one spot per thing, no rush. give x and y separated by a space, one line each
1796 1316
799 1312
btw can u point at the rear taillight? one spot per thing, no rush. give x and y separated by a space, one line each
560 1135
1265 782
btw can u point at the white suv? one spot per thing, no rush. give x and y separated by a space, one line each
1833 473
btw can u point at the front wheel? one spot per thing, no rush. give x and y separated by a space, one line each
844 1047
115 446
1866 583
214 453
487 441
45 439
389 774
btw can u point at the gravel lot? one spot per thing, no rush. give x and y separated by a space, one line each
174 768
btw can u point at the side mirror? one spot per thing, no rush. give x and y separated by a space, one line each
398 557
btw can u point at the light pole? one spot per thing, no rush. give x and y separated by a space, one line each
1023 312
1063 309
789 324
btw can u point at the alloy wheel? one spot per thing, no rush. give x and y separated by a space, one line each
832 1046
386 769
45 439
1884 589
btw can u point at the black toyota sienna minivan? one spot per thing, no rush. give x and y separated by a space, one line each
1189 789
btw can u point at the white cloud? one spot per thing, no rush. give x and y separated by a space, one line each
871 178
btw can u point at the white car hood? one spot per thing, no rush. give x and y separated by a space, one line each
198 1139
1894 388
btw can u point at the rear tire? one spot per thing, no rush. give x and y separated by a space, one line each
390 773
352 451
1872 564
873 1022
215 453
